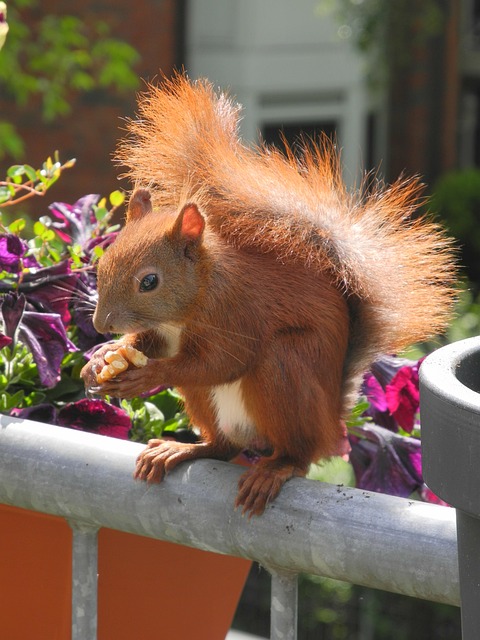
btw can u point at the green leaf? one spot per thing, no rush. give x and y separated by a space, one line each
39 228
31 172
112 229
54 254
98 252
48 235
17 226
101 213
8 402
16 171
5 193
117 198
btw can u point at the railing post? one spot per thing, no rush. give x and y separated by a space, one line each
284 606
84 581
468 531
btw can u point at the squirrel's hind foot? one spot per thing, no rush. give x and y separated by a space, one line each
261 484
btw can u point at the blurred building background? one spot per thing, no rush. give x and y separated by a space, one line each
398 86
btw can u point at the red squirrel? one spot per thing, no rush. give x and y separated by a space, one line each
258 286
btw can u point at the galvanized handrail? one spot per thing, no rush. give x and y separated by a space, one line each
365 538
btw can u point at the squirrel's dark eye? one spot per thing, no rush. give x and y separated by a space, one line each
149 282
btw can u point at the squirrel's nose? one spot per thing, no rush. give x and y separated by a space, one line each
102 322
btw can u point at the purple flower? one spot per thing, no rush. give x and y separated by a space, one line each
386 367
95 416
46 288
386 462
43 333
50 289
100 241
12 309
76 224
12 254
77 221
378 409
82 311
41 413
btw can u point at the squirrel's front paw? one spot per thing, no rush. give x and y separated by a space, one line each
133 382
90 372
100 374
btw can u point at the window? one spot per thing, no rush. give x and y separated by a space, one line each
293 131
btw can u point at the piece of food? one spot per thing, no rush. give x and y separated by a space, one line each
136 357
119 361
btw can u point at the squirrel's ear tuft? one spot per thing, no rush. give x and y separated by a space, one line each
189 224
140 204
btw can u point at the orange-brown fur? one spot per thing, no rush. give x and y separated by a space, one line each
273 276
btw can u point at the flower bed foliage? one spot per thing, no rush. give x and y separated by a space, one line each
47 293
47 298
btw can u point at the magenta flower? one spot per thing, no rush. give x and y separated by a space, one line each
403 397
4 341
392 391
378 409
95 416
427 495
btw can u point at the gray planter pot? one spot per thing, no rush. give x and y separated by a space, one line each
450 418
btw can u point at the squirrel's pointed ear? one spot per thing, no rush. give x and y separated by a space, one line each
190 223
140 204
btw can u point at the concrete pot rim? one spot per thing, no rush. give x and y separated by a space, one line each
444 373
450 423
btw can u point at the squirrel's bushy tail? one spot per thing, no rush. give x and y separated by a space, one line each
397 268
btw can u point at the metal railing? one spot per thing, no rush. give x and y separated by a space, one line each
348 534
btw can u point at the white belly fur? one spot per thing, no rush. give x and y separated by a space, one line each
172 334
232 415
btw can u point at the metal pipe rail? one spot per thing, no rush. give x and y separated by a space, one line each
348 534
